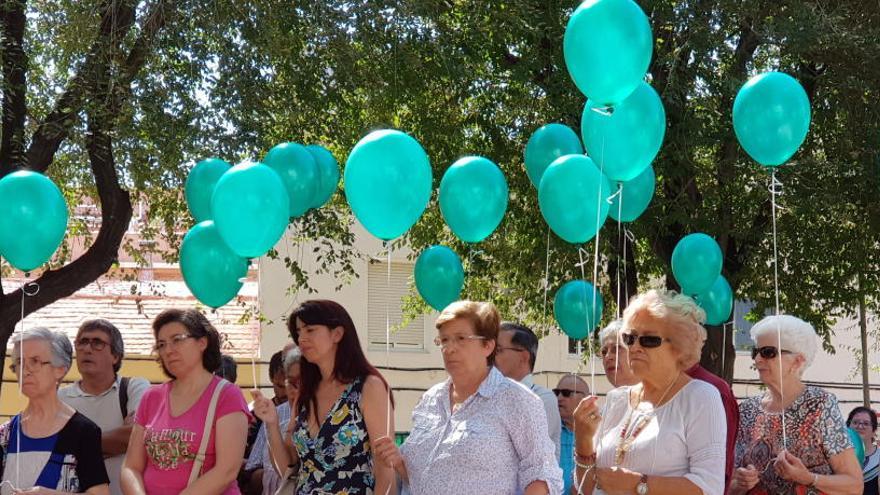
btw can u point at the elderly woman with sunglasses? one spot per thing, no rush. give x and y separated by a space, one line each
49 447
477 432
792 438
667 433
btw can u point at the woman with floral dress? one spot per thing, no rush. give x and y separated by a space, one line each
344 404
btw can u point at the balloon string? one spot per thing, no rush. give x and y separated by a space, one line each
776 189
546 284
621 267
596 269
24 293
388 342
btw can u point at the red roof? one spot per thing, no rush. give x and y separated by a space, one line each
131 306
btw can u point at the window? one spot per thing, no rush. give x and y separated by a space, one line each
382 297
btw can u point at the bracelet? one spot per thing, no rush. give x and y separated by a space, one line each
585 467
585 459
815 480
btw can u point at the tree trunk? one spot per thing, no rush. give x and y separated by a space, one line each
718 351
863 330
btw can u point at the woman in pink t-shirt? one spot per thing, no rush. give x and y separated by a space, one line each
170 420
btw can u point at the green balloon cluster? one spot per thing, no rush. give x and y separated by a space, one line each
33 219
696 265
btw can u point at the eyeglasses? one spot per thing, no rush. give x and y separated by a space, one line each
646 341
455 340
32 365
173 343
565 392
767 352
502 349
95 343
860 424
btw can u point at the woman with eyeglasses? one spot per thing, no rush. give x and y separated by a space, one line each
864 421
343 408
173 417
48 447
666 434
813 455
476 432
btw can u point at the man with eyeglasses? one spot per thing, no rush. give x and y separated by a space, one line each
103 396
515 357
569 392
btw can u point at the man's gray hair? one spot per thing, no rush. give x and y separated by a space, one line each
59 345
292 357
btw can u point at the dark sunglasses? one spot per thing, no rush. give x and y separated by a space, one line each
646 341
767 352
565 392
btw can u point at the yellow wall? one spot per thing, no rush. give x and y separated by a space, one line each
11 401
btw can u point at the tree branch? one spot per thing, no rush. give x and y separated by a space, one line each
15 63
116 21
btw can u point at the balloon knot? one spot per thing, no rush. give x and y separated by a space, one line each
31 289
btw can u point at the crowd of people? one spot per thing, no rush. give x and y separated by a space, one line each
667 426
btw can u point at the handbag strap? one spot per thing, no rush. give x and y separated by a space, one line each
206 434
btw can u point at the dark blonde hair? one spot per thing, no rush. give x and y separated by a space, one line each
483 316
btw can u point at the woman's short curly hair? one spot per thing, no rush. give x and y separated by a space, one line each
796 335
679 314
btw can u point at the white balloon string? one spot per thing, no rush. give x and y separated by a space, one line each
388 345
35 289
776 189
546 285
621 267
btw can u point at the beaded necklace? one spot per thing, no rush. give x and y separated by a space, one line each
627 436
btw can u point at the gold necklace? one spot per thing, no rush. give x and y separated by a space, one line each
628 437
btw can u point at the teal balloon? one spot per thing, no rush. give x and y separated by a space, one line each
696 263
251 208
547 144
200 185
328 174
387 182
858 444
210 269
439 276
624 142
717 302
473 198
573 197
771 117
575 309
33 219
297 169
607 48
634 198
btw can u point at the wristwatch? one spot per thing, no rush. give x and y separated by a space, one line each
642 487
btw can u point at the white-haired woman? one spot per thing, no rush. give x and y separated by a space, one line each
815 455
667 433
49 447
615 358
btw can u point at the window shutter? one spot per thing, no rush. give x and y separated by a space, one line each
382 295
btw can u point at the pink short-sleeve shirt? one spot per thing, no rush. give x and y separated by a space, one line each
172 442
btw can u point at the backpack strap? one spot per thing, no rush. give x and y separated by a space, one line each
206 434
123 396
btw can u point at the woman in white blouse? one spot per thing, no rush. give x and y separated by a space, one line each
476 432
667 433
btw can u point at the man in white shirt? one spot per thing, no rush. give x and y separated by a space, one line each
515 357
104 397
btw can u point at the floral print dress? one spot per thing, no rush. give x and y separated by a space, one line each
338 460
